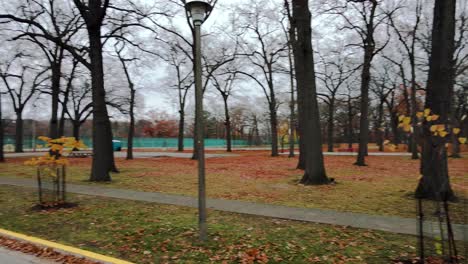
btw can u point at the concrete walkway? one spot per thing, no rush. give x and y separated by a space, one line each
8 256
374 222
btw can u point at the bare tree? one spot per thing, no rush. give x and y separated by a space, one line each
81 105
21 82
264 54
224 85
308 108
334 73
380 88
408 41
63 26
119 49
365 19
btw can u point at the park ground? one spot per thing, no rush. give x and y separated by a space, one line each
152 233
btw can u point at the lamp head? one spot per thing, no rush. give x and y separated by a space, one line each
198 11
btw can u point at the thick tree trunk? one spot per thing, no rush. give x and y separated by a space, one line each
228 125
19 132
103 154
131 128
76 129
435 182
56 68
364 119
180 137
331 125
305 76
301 164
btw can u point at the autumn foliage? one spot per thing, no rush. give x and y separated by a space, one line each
162 129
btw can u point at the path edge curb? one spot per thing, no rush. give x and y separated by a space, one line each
64 249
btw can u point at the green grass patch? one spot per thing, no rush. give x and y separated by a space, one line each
152 233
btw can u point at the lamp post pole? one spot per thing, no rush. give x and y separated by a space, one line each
199 11
200 124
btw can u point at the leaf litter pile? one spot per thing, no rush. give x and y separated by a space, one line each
42 252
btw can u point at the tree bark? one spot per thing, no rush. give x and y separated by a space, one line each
19 132
103 154
131 128
274 131
180 140
228 125
305 77
435 182
76 129
364 120
414 135
56 68
331 125
379 129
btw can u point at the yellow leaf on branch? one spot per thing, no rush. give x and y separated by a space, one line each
443 133
462 140
406 120
419 114
427 112
456 131
440 128
434 117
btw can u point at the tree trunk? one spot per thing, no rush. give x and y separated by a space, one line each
331 125
350 125
180 140
19 132
103 154
379 128
292 125
228 125
305 77
131 128
274 131
76 129
435 182
301 164
364 120
56 68
414 121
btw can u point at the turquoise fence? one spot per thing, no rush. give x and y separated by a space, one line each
28 143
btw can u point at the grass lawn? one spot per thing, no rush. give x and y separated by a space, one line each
152 233
384 187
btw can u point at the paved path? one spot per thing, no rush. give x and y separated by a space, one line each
121 154
355 154
15 257
135 155
375 222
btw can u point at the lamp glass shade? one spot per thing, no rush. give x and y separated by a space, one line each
198 11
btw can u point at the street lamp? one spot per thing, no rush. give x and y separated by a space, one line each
198 11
